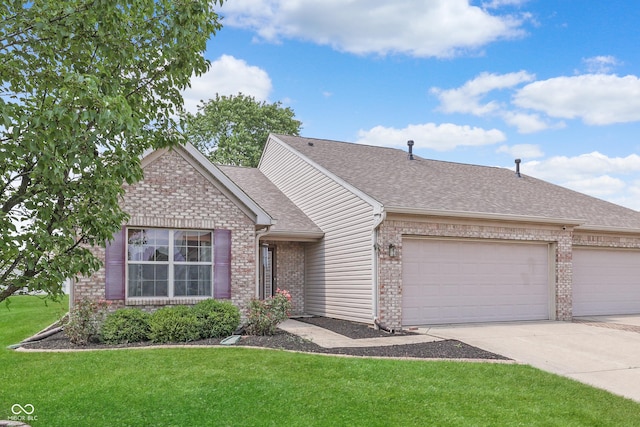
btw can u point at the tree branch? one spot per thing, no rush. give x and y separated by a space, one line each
21 193
8 291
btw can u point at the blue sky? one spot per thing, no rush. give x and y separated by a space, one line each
555 83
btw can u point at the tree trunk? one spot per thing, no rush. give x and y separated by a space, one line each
8 291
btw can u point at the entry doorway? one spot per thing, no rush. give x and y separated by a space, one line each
268 283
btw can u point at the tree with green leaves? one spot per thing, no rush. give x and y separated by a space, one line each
87 87
232 130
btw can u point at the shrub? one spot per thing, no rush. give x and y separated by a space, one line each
85 321
174 324
125 326
216 319
265 315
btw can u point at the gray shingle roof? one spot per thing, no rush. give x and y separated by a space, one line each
387 175
290 220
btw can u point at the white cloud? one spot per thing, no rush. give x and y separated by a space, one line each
443 137
600 64
227 76
527 123
435 28
597 99
599 186
494 4
632 196
466 99
521 151
585 165
616 179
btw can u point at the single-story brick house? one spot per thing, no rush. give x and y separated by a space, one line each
368 233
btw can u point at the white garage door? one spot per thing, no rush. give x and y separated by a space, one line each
448 281
606 281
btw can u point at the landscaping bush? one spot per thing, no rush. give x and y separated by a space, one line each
216 319
85 321
265 315
125 326
174 324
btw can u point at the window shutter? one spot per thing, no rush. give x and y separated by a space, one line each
222 264
114 266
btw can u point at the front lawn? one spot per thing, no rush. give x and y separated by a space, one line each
237 386
25 315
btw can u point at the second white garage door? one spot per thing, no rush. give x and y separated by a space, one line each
451 281
606 281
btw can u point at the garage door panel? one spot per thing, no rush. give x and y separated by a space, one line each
446 281
606 281
470 269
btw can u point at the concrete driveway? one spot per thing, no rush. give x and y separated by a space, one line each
601 351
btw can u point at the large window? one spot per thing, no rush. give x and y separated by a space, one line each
169 263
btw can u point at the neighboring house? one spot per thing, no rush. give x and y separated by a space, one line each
362 233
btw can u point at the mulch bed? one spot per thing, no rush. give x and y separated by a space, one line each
351 330
448 349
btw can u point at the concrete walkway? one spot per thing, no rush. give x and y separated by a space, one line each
600 351
328 339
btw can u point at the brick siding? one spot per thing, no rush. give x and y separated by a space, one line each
175 194
290 271
606 240
390 269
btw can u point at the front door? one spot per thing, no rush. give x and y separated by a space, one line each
267 271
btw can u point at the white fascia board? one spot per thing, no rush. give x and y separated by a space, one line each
487 216
261 216
378 207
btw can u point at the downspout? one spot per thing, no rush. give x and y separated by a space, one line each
259 235
376 291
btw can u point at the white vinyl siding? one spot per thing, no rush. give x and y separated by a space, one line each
339 268
606 281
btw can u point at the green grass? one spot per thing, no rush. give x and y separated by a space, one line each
236 386
25 315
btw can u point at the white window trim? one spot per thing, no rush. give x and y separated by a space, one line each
170 298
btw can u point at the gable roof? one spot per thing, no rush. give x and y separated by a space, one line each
455 189
290 222
216 177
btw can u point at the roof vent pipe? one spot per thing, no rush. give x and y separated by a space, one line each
518 168
410 144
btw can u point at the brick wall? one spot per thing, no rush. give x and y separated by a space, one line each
175 194
606 240
290 271
91 287
390 269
